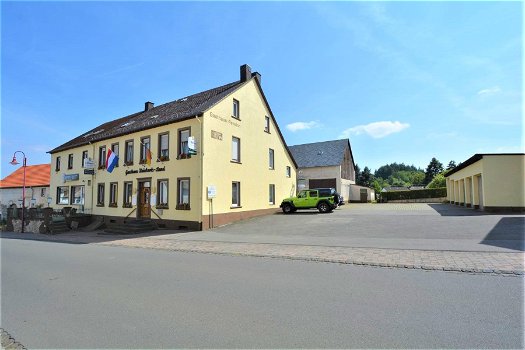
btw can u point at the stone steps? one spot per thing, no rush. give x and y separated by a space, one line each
130 227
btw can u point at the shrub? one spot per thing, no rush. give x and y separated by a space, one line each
415 194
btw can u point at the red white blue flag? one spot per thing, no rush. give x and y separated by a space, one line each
111 161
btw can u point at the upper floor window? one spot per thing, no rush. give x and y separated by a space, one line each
102 157
70 161
115 149
183 150
128 152
288 171
164 147
57 165
267 124
145 152
270 159
84 157
236 112
236 149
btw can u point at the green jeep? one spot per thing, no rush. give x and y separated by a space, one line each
321 199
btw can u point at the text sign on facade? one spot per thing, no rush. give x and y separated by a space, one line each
89 171
212 191
89 163
70 177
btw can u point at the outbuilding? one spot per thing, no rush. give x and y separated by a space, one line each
490 182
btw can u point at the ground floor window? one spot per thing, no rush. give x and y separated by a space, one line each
63 195
100 194
162 194
128 193
271 194
236 194
113 189
183 197
77 194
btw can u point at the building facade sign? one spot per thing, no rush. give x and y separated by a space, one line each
71 177
145 170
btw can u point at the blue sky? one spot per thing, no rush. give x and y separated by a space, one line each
405 81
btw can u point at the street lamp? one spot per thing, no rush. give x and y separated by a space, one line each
14 162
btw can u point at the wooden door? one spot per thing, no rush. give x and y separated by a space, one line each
144 202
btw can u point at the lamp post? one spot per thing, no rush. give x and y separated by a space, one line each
14 162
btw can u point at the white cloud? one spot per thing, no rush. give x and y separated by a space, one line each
490 91
376 130
293 127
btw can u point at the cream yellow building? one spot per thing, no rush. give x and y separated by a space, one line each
489 182
216 156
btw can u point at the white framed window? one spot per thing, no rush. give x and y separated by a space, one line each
70 161
288 171
57 164
236 149
164 147
77 195
102 157
115 149
271 194
145 150
270 159
63 195
128 156
162 199
100 194
113 191
267 124
236 194
128 193
183 197
84 157
184 134
236 112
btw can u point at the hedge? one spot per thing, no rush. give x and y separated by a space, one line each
415 194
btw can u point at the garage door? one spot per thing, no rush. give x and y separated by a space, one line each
321 183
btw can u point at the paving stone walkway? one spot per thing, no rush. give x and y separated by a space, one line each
471 262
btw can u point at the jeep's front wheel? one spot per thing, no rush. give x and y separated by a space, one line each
287 208
323 207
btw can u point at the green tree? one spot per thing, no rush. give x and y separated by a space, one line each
438 181
451 165
434 167
366 178
357 173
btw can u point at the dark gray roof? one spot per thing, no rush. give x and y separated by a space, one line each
178 110
327 153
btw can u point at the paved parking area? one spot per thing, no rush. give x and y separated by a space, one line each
418 236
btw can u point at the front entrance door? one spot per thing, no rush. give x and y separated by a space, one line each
144 207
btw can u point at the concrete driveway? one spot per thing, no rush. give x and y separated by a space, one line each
392 226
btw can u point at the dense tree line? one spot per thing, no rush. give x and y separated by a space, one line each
400 174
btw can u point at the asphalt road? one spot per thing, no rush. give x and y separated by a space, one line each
57 295
389 226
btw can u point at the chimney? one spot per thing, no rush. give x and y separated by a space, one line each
246 72
257 76
147 106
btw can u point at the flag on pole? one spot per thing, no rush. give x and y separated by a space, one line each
148 156
111 161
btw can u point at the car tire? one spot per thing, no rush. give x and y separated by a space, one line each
324 207
287 208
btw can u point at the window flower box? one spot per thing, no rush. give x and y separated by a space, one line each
183 206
